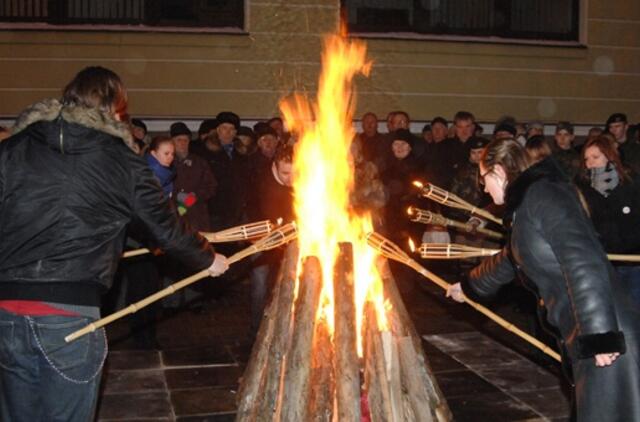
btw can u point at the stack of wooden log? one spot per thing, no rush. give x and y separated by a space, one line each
301 370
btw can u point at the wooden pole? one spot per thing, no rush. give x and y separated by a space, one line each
251 391
267 406
298 362
321 402
413 381
374 383
402 326
347 367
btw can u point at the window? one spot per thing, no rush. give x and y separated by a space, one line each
552 20
139 14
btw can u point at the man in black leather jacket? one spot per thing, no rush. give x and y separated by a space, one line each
554 245
70 184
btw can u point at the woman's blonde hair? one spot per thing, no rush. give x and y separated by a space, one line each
509 154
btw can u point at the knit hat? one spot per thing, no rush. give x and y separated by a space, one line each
426 128
505 127
139 123
403 135
247 131
228 117
179 128
265 130
616 118
477 142
207 126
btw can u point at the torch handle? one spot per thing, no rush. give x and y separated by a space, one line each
135 307
497 319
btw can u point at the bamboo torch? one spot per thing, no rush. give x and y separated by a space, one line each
244 232
457 251
447 198
428 217
390 250
277 238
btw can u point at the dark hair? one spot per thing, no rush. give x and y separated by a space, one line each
404 113
369 113
608 149
463 115
274 119
509 154
159 140
97 87
283 153
538 148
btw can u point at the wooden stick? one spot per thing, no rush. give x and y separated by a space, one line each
402 326
233 234
277 238
267 407
298 362
320 407
392 251
453 251
414 383
458 251
347 367
392 372
253 388
375 382
444 197
427 217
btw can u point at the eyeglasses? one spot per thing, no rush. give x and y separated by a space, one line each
482 176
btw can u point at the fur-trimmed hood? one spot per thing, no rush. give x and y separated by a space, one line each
50 109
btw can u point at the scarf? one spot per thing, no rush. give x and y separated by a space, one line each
165 175
604 179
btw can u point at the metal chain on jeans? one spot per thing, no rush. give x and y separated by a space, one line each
104 357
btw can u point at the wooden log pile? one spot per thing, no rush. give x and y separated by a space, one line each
301 369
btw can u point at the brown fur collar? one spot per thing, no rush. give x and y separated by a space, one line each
49 109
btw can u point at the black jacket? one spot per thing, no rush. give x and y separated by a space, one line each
70 184
555 245
617 216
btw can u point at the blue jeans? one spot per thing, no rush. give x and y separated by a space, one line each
42 378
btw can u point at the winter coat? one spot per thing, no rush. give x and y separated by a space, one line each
194 182
553 243
164 174
70 183
228 208
617 216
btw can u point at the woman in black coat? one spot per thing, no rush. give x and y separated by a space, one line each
612 193
556 250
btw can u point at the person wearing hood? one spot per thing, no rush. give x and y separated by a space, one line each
71 182
554 249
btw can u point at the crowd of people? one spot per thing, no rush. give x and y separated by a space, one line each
80 181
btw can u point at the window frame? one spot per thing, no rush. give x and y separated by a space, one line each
581 41
135 28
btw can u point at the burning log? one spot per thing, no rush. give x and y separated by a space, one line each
270 387
427 217
298 361
347 367
256 375
321 407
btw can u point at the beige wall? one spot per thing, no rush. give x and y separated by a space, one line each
198 75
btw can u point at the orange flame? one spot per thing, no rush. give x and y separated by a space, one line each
324 179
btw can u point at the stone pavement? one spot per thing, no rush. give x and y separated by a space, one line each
485 373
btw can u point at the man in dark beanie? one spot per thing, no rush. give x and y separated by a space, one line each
178 129
505 131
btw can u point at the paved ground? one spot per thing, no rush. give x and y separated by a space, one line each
485 373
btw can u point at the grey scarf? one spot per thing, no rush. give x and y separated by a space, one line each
604 179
